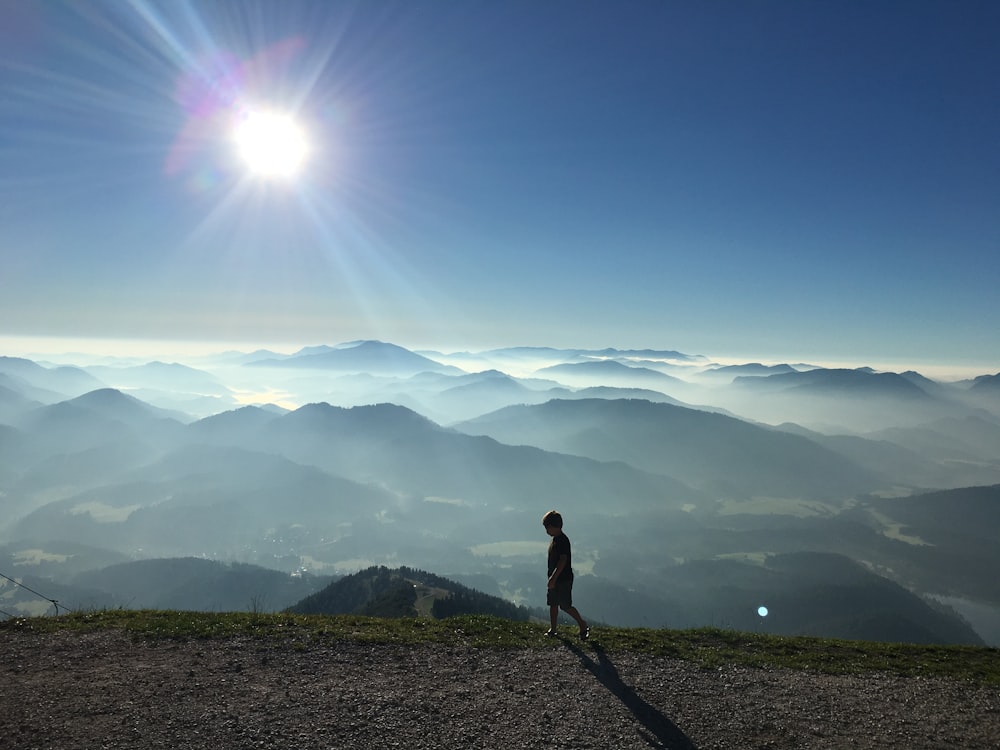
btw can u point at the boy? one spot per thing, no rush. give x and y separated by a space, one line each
560 589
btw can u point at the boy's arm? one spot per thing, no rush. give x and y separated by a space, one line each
560 567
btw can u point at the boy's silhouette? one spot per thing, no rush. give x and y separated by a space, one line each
560 587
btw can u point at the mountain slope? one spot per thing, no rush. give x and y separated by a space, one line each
952 541
198 585
608 372
225 501
169 376
911 457
47 384
859 382
702 449
751 369
97 420
384 592
841 400
822 594
967 439
986 384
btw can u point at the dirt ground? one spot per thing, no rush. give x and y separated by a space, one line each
65 691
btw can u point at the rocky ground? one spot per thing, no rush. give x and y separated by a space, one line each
108 690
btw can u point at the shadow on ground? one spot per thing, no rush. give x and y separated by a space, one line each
659 732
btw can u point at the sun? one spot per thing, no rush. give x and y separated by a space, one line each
271 143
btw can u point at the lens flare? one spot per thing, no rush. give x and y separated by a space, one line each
762 611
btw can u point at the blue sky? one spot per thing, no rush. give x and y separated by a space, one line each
772 180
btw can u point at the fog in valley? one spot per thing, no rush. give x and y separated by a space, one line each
849 502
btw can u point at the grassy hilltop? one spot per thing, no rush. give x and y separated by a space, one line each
706 647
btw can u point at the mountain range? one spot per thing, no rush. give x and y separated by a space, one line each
712 452
684 503
374 357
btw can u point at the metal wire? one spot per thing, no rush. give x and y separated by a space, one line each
55 602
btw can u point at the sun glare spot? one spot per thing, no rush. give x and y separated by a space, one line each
271 144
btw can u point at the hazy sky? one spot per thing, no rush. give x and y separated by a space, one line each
766 179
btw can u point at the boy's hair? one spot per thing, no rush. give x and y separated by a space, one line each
552 518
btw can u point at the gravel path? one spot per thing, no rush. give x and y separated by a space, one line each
64 691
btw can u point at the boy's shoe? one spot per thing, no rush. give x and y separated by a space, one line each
551 632
585 633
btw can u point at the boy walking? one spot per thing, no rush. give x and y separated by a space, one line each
560 588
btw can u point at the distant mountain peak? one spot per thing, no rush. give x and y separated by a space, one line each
487 375
987 383
369 357
839 380
308 351
113 403
103 398
607 368
372 416
320 349
750 368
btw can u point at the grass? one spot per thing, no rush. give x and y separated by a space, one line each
707 647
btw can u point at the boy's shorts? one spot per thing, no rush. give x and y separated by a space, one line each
561 595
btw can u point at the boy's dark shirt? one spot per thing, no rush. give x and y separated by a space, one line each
557 547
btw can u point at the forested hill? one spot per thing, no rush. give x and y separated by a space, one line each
404 592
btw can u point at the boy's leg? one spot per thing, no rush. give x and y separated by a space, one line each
553 617
572 612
